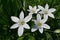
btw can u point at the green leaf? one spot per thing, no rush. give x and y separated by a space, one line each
31 38
20 38
48 36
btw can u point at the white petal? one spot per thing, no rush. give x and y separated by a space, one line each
28 18
30 7
46 6
35 7
40 7
52 10
41 30
14 26
20 31
37 10
30 13
51 15
46 26
15 19
34 28
41 12
26 26
45 18
21 15
38 17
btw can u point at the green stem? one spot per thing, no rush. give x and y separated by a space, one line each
24 5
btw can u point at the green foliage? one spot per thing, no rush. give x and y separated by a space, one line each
10 8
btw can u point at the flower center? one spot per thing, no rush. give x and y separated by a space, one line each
21 22
39 24
46 12
33 11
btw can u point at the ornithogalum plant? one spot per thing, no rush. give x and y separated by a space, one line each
40 24
21 23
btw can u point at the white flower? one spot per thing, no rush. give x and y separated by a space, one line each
46 11
39 24
21 22
33 10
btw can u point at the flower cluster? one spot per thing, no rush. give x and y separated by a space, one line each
21 22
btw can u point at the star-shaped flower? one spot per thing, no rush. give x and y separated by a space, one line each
39 24
21 22
33 10
46 11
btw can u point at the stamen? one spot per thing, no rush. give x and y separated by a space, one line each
33 10
21 22
46 12
39 24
